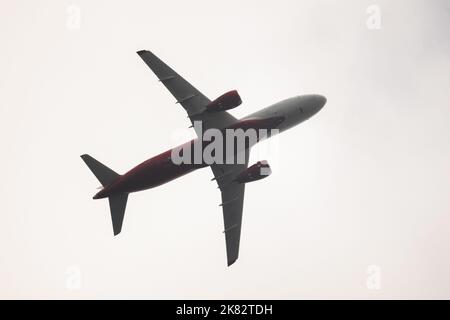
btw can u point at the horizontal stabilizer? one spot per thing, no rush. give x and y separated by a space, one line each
104 174
117 204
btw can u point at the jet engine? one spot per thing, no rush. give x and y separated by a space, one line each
226 101
259 170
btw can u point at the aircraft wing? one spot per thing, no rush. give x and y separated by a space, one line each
191 99
232 204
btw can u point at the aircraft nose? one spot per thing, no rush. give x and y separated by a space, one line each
311 104
320 101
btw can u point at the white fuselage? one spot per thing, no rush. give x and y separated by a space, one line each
295 110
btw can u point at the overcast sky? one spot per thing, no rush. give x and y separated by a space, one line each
358 202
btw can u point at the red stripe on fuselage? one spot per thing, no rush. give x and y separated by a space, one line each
149 174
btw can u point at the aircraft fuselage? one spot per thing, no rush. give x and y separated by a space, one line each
161 168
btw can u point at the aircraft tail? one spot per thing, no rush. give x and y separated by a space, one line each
106 176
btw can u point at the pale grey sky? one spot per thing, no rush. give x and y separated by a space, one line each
364 182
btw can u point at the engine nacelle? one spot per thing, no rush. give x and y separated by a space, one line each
258 171
226 101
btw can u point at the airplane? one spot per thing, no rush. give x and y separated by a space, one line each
231 176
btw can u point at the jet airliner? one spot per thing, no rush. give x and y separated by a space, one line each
231 176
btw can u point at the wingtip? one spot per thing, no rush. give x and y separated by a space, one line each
231 262
141 52
85 157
